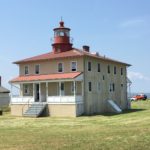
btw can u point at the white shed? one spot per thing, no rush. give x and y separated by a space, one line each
4 95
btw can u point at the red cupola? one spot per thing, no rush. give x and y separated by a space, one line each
61 39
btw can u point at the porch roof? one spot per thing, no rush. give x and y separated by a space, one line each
44 77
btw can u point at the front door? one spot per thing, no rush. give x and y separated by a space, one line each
37 94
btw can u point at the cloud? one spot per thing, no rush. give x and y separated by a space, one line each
132 23
137 75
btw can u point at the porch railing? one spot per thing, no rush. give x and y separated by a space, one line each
22 99
28 103
64 99
50 99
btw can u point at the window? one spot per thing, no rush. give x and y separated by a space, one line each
112 87
61 33
115 70
103 77
108 69
37 69
73 66
26 70
26 89
121 71
99 86
90 86
72 87
60 67
62 87
89 66
98 67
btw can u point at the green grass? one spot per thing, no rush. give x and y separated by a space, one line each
127 131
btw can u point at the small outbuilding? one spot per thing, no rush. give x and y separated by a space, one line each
4 95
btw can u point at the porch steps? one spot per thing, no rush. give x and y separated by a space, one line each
35 110
114 106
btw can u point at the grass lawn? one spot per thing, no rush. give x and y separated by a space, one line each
127 131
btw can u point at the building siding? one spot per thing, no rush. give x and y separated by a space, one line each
51 66
95 101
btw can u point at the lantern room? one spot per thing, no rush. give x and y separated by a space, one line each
61 39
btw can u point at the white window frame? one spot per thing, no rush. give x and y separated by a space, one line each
58 67
35 68
112 87
25 69
26 88
71 66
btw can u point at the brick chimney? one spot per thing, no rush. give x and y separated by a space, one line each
86 48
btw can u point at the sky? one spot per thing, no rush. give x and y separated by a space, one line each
119 29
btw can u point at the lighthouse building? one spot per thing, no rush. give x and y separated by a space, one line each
68 81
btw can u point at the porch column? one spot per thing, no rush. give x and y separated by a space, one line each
21 89
60 89
33 91
74 88
82 88
46 91
11 94
39 92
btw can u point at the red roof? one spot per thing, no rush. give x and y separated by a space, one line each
70 53
51 55
57 76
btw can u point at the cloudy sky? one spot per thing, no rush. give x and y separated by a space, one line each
119 29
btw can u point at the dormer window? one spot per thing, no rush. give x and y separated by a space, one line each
73 66
37 69
26 70
60 67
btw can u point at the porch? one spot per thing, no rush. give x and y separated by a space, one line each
51 92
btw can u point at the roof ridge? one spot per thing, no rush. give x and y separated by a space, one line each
74 52
31 57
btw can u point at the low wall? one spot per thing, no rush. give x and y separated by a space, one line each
18 109
62 110
54 110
